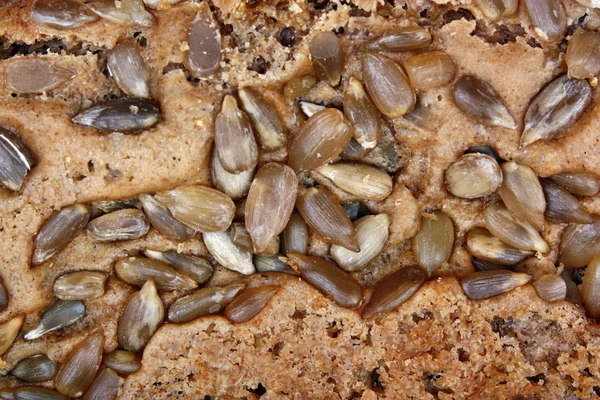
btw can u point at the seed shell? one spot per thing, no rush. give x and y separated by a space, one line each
249 303
583 54
126 115
79 368
203 302
486 284
59 315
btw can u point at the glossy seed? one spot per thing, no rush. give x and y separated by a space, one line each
579 243
59 315
35 75
199 207
37 368
495 9
81 285
562 206
118 226
327 56
434 241
479 100
105 386
430 70
550 287
485 246
486 284
321 139
204 41
590 288
3 296
522 193
394 289
240 236
330 280
548 18
107 206
579 183
309 109
203 302
299 86
362 113
361 180
16 159
324 214
235 186
126 12
486 266
123 361
220 246
79 368
137 270
9 331
128 68
402 39
387 85
37 393
555 108
142 315
573 294
197 268
272 134
163 221
583 54
249 303
272 264
473 175
295 235
61 14
126 115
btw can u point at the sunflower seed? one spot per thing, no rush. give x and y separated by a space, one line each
327 56
162 220
37 368
79 368
387 85
486 284
361 180
105 386
137 270
434 241
204 41
16 159
562 206
107 206
402 39
59 315
142 315
272 264
271 131
324 214
330 280
573 294
128 68
356 210
299 86
35 75
362 113
495 9
579 244
9 331
37 393
249 303
473 175
220 246
590 288
235 186
548 17
126 12
321 139
483 245
485 150
550 287
197 268
61 14
118 226
309 109
579 183
486 266
81 285
479 100
430 70
555 108
127 115
583 54
123 361
199 207
295 235
3 296
206 301
240 236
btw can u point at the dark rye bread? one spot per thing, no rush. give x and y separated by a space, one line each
439 344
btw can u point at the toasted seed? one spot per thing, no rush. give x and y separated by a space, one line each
16 159
356 210
485 150
105 386
61 14
249 303
127 12
81 285
387 85
240 236
372 234
324 214
137 270
79 368
562 206
361 180
573 294
299 86
483 245
295 235
579 183
197 268
107 206
220 246
486 266
327 56
579 244
330 280
271 131
37 393
118 226
495 9
473 175
272 264
403 39
3 296
322 138
235 186
362 113
434 241
203 302
142 315
128 68
479 100
522 193
205 43
35 75
486 284
512 231
161 218
123 361
590 288
394 289
550 287
430 70
309 109
548 17
555 108
9 331
127 115
199 207
583 54
37 368
59 315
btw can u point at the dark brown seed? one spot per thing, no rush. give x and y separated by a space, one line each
548 17
550 287
123 361
16 159
403 39
118 226
3 296
128 68
579 244
486 284
590 288
272 134
37 368
580 183
562 206
205 43
37 393
163 221
203 302
127 115
249 303
295 235
137 270
327 56
105 386
35 75
272 264
197 268
62 313
79 368
61 14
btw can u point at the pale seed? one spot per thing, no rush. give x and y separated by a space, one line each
59 315
79 368
204 41
550 287
123 361
235 186
206 301
249 303
299 86
197 268
35 75
485 246
163 221
220 246
327 56
37 393
61 14
80 285
105 386
403 39
434 241
579 244
127 115
590 288
16 159
360 180
495 9
9 331
3 296
127 12
271 131
137 270
272 264
548 17
562 206
362 113
430 70
295 235
473 175
486 284
118 226
128 68
240 236
37 368
309 109
579 183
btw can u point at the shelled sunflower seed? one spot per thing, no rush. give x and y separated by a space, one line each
161 218
235 186
579 183
562 206
137 270
227 254
197 268
128 68
123 361
430 70
487 247
203 302
362 113
249 303
37 393
579 243
361 180
481 265
80 285
309 109
105 386
16 159
550 287
204 40
65 14
240 236
127 12
548 17
402 39
327 55
35 75
590 288
486 284
59 315
434 241
272 133
37 368
126 115
272 264
9 331
495 9
583 56
295 235
119 225
79 368
473 175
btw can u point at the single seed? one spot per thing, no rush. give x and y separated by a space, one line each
328 58
126 12
204 41
330 280
434 241
548 17
579 243
486 266
249 303
105 386
362 113
309 109
573 294
203 302
550 287
127 115
555 108
37 393
240 236
473 175
118 226
361 180
486 284
9 331
299 86
35 75
387 85
479 100
37 368
79 368
485 150
59 315
430 70
137 270
107 206
142 315
562 206
220 246
81 285
583 54
3 296
16 159
579 183
402 39
197 268
271 131
295 235
161 218
272 264
485 246
235 186
590 288
123 361
61 14
356 210
495 9
128 68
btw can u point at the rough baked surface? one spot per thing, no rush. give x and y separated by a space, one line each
439 344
